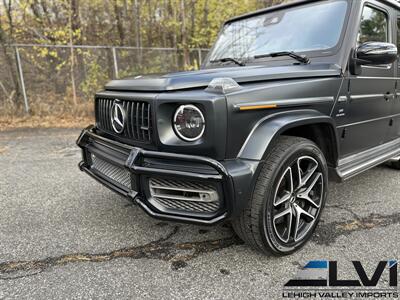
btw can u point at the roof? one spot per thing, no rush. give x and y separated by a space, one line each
395 3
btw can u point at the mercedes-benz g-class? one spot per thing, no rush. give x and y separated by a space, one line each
288 98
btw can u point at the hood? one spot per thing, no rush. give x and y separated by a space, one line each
201 78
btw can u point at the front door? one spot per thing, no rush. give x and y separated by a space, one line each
394 132
372 92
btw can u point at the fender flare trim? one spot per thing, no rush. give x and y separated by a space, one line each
272 126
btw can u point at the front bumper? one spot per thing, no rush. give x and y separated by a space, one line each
232 179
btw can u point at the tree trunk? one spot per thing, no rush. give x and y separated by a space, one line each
175 37
76 21
9 39
120 23
78 39
186 59
72 56
138 35
205 22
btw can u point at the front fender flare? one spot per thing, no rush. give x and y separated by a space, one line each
271 127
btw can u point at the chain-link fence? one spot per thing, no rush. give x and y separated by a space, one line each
59 74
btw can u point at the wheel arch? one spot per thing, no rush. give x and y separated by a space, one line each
310 124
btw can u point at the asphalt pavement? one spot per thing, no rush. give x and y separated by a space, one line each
63 235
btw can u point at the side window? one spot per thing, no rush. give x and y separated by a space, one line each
374 26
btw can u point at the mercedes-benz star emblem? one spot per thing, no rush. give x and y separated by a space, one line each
118 117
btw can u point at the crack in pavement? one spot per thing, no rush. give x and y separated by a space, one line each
326 234
178 254
348 209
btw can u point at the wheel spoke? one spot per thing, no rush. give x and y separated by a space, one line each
308 199
302 212
288 212
291 180
305 195
288 193
282 214
283 199
314 182
303 179
297 224
299 213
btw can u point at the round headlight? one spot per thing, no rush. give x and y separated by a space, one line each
189 123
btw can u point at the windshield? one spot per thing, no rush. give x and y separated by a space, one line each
301 29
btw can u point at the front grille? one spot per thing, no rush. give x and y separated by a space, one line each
115 173
138 122
182 195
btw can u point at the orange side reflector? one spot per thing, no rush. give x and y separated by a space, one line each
253 107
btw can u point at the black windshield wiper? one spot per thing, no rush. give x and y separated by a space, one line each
228 59
301 58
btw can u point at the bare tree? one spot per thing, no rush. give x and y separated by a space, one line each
138 35
120 22
72 56
5 39
184 39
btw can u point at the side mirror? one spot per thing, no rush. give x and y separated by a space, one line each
376 53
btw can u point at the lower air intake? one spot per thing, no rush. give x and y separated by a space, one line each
184 196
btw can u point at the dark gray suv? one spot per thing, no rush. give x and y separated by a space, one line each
288 98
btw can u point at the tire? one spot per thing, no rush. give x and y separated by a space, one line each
269 223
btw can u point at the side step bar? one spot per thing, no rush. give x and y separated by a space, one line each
360 162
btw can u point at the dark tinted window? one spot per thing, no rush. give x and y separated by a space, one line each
374 26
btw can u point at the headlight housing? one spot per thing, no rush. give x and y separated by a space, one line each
189 123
